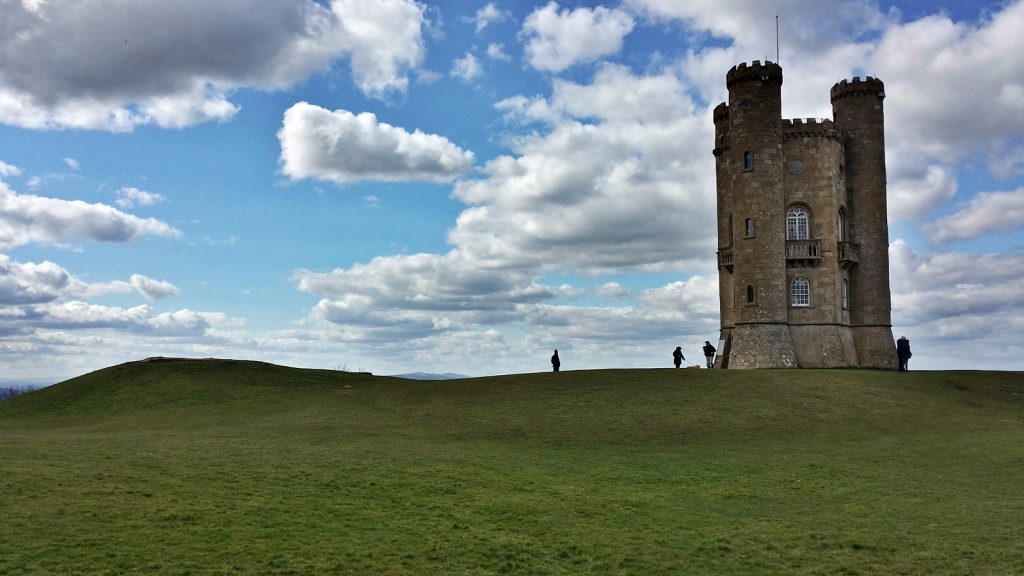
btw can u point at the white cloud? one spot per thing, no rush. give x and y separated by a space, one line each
343 147
987 212
932 289
941 75
618 182
497 52
97 65
129 197
612 290
73 164
914 191
30 283
466 68
558 39
153 289
488 15
7 170
26 219
599 190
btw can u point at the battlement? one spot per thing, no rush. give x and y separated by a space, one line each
810 127
756 71
721 112
869 86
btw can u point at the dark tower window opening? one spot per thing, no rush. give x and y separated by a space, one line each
798 224
748 161
751 294
750 228
846 294
841 225
800 293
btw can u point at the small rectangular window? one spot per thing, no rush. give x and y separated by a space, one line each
750 228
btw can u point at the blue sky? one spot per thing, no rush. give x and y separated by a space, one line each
457 186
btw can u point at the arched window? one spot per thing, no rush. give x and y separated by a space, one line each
750 294
800 293
750 227
798 224
841 226
846 294
748 160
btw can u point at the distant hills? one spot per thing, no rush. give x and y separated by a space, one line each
429 376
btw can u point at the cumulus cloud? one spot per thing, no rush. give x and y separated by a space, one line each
612 290
344 147
417 296
939 289
915 190
153 289
952 88
129 197
987 212
143 320
466 68
8 170
102 64
496 51
30 283
489 14
617 181
26 219
610 184
557 39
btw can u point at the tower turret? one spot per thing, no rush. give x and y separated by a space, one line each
857 110
751 171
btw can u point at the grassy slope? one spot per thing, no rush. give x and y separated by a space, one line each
224 467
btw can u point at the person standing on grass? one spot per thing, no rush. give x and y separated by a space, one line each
903 352
677 356
709 354
555 362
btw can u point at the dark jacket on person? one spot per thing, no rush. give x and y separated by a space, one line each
903 348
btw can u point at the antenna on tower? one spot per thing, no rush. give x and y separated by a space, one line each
777 40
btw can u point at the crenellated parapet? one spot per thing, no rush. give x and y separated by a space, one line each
810 128
756 71
869 86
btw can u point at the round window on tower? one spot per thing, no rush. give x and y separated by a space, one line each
796 166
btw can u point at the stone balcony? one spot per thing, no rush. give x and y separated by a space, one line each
803 252
849 253
725 258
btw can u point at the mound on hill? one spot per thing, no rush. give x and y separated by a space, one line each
234 467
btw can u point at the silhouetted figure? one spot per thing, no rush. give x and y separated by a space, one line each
677 356
709 354
903 352
555 362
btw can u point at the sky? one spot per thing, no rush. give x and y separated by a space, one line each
463 186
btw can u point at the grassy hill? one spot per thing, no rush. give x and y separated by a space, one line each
231 467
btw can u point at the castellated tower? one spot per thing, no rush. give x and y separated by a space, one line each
802 233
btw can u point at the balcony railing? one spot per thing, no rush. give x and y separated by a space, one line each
849 253
803 250
725 256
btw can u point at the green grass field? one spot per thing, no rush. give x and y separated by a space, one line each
229 467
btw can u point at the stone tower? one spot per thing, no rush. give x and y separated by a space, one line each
803 241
